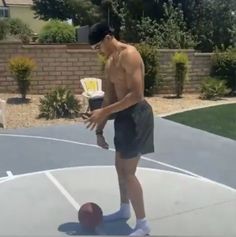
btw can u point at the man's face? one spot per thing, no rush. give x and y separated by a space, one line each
97 46
101 46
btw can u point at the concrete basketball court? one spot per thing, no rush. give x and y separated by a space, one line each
46 173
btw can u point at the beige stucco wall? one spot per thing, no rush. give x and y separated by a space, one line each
26 14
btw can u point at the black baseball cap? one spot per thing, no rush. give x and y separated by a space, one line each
98 31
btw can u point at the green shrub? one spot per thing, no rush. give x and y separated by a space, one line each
19 29
15 27
57 32
224 67
59 103
150 58
3 29
180 61
21 67
213 89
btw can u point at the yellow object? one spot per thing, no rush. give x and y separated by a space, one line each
91 84
92 88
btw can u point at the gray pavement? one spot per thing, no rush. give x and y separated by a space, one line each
189 182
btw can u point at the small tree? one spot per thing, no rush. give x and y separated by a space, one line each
180 61
82 12
170 31
21 67
173 30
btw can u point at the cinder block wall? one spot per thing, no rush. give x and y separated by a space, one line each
199 67
65 65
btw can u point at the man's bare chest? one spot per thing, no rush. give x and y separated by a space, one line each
116 73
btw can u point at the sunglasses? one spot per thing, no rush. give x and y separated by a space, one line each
97 46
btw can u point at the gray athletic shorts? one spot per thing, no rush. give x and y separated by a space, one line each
134 128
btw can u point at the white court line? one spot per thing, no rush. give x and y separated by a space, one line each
109 166
63 191
48 138
92 145
71 200
167 165
4 178
143 157
10 174
99 230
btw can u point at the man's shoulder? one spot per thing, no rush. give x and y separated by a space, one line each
130 51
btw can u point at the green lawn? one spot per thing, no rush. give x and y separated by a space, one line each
220 120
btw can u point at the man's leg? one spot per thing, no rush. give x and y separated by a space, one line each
124 211
134 188
121 179
135 194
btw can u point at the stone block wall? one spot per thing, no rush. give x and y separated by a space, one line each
199 67
57 65
65 65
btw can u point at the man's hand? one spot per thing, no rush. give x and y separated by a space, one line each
102 142
96 117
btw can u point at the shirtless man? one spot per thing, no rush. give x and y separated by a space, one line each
133 123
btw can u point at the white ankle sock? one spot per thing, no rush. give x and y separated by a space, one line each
123 213
140 222
142 228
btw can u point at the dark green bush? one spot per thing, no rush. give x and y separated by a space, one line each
212 88
3 29
59 103
15 27
19 29
224 67
57 32
150 57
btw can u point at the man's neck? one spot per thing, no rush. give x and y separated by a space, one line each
115 47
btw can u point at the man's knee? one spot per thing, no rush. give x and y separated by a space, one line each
119 168
130 166
126 167
125 173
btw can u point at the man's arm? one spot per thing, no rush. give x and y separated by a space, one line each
132 64
109 98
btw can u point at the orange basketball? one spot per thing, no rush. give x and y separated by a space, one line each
90 215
